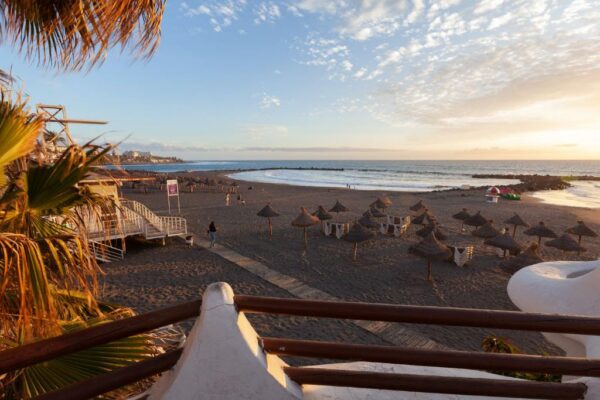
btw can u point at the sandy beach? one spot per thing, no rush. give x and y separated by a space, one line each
152 276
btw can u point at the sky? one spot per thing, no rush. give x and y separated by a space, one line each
347 79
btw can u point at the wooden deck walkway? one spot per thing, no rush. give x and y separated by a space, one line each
393 333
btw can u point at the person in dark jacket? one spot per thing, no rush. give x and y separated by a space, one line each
212 233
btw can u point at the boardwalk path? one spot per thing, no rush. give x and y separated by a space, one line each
389 331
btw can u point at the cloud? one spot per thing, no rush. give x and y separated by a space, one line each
268 101
265 131
266 12
318 149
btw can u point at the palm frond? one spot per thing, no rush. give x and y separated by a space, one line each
60 372
74 33
18 133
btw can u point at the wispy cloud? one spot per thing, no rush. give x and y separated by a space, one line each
269 101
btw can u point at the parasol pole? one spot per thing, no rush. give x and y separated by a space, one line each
429 275
305 239
270 228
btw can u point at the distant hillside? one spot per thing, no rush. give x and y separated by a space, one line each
139 157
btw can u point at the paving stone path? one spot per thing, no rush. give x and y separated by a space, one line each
389 331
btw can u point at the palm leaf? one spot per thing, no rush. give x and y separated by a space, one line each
73 33
18 133
63 371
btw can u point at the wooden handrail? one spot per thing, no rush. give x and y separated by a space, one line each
436 384
115 379
33 353
433 358
421 314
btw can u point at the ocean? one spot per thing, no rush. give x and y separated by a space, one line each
413 176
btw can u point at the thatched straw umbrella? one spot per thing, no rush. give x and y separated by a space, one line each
565 243
476 220
461 216
304 220
581 229
487 231
367 222
356 235
338 208
515 221
268 212
529 257
382 202
418 206
322 214
424 218
211 182
540 230
432 227
432 249
504 242
374 212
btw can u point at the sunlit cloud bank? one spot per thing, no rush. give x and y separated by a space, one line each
449 75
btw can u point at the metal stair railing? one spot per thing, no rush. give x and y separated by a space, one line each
105 253
170 226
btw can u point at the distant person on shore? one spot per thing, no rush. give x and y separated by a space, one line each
227 198
212 233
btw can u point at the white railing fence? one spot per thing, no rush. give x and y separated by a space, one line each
105 253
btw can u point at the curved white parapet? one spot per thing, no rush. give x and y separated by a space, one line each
222 359
563 287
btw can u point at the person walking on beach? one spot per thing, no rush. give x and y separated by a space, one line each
227 198
212 233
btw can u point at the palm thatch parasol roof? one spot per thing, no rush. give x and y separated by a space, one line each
540 230
234 184
211 182
487 231
504 242
367 222
515 221
476 220
432 227
423 218
382 202
268 212
461 215
529 257
358 233
418 206
322 214
338 207
581 229
431 249
304 219
375 212
565 243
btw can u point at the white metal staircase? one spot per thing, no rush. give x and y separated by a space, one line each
134 218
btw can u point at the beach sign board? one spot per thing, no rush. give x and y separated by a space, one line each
172 187
173 190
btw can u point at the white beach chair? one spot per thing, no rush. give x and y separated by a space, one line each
462 255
